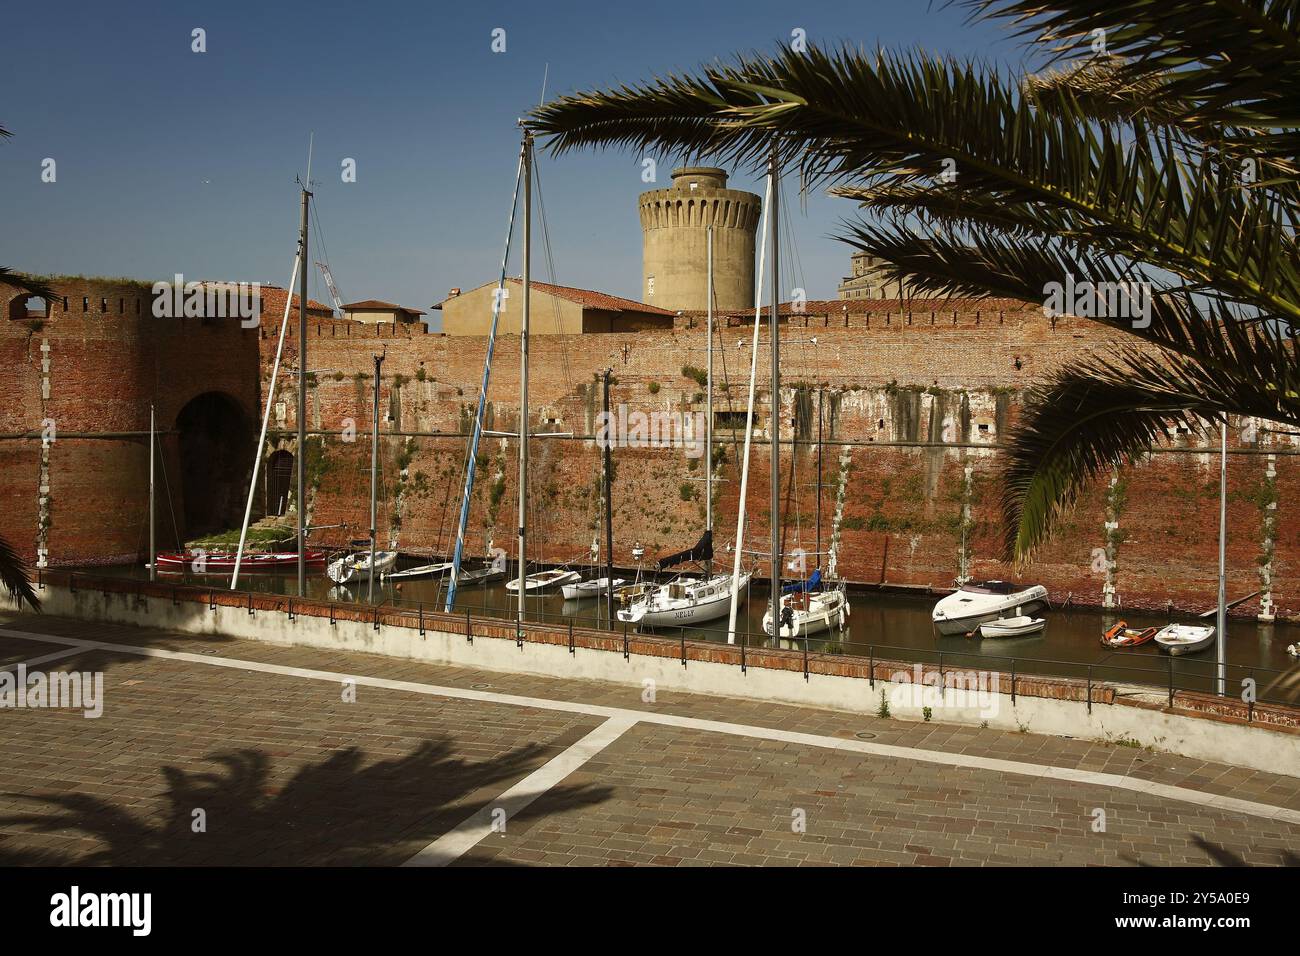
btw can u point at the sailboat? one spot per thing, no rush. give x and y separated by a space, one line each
689 599
592 587
809 607
420 571
370 561
347 568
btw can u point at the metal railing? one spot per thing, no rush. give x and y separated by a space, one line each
1251 685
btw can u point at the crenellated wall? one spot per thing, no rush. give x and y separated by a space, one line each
910 402
914 406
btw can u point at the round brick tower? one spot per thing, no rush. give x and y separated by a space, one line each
674 227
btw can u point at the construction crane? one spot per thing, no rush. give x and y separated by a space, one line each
329 284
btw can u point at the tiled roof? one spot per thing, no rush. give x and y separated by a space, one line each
584 297
860 306
378 305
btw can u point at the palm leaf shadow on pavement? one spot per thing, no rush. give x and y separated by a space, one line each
1222 856
338 811
144 637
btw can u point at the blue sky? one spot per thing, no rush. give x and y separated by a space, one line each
173 161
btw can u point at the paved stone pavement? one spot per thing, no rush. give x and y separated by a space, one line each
193 763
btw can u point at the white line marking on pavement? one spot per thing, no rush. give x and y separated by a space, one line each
969 761
44 659
454 844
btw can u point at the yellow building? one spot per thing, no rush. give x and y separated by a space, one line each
555 310
374 311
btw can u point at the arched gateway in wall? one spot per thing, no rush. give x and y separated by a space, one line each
215 440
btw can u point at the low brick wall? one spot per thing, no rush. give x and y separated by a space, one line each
870 671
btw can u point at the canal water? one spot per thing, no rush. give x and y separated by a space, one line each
881 625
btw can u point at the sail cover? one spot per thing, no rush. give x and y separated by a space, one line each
703 551
812 584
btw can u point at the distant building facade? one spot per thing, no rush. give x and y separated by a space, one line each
375 311
868 281
554 310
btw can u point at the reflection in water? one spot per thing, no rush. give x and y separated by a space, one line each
878 623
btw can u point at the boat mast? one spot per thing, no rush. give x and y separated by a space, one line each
819 477
1221 633
261 438
302 392
708 425
523 373
749 421
609 516
153 539
471 457
776 402
374 472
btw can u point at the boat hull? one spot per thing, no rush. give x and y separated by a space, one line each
358 565
824 613
423 571
1012 627
222 562
649 613
963 611
1177 640
542 582
583 590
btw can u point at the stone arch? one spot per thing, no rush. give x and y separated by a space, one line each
23 307
215 440
279 484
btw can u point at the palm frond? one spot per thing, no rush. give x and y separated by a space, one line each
1238 61
32 285
1103 409
13 578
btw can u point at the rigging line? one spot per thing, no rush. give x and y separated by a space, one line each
320 239
176 529
721 351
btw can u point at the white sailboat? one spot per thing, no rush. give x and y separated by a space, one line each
421 571
543 581
345 569
690 599
810 607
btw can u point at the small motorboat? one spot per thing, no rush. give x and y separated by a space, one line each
221 562
422 571
1121 635
544 581
589 589
1179 639
966 608
351 566
1012 627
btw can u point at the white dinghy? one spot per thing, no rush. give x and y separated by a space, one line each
581 590
544 581
423 571
1178 639
1012 627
